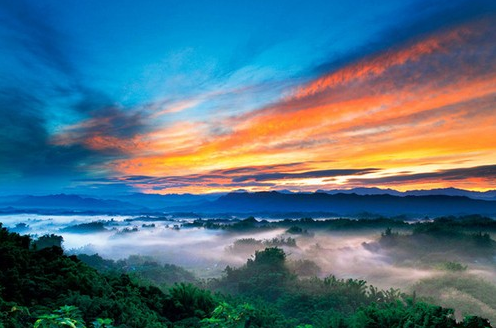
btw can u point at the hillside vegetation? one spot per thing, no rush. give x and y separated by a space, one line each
45 288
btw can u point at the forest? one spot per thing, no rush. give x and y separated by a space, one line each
41 285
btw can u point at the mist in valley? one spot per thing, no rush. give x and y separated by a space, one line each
347 254
206 252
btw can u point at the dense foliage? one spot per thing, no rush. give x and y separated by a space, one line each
34 282
303 225
444 239
142 268
42 287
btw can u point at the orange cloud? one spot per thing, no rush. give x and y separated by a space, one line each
429 100
377 65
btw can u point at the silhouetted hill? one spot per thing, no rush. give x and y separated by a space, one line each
73 202
363 191
156 201
349 204
370 200
485 195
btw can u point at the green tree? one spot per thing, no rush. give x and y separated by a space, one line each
65 316
46 241
227 316
187 300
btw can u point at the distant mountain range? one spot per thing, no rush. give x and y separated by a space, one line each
63 201
448 201
349 204
486 195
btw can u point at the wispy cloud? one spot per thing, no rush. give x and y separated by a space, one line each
485 174
432 96
419 98
251 178
303 175
36 67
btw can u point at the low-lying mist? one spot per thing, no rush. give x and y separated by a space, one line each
206 252
453 268
209 251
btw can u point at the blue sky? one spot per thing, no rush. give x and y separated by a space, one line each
166 49
77 76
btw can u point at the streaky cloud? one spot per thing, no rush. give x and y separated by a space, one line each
486 172
301 175
420 18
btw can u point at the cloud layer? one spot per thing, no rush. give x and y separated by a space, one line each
412 108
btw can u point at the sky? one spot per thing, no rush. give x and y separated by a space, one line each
100 97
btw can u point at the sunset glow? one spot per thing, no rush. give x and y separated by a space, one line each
411 110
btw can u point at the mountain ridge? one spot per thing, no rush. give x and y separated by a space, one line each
350 204
347 202
63 201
